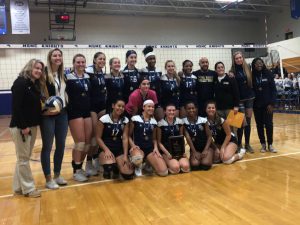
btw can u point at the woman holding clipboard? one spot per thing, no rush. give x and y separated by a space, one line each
225 142
168 128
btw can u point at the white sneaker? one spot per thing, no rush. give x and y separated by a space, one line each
89 169
60 181
138 171
242 153
80 176
263 148
272 149
52 185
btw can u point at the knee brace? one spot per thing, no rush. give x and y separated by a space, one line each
174 172
248 120
163 174
229 161
185 171
127 176
87 147
205 167
195 168
93 142
107 169
136 160
79 146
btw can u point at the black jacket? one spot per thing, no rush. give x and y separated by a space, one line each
264 88
26 104
226 93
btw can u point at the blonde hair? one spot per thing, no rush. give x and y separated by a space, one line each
26 72
245 66
111 62
175 73
49 71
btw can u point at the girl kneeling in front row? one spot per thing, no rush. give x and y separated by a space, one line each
198 137
168 127
142 139
112 137
225 142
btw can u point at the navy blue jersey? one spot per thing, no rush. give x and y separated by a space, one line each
218 132
131 81
154 78
143 132
112 132
79 92
245 91
188 89
115 88
169 91
197 132
168 130
98 87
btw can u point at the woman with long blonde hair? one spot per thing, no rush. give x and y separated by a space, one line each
243 76
54 124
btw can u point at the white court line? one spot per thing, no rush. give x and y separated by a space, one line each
106 181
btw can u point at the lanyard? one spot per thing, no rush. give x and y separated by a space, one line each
82 82
171 127
193 127
58 84
146 125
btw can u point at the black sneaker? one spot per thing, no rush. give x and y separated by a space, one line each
249 148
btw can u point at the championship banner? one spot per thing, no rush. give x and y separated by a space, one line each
2 18
19 14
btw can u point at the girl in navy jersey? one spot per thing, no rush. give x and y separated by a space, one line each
131 74
198 137
78 89
225 142
152 73
188 82
167 127
98 104
114 83
143 143
112 137
169 84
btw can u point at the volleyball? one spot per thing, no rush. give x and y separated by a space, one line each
54 104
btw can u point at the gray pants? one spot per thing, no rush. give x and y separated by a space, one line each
23 180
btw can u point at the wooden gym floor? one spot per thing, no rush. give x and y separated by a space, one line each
262 189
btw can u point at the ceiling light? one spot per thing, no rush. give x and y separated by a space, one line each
229 1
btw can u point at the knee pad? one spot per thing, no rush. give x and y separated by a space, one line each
163 174
136 160
185 171
229 161
93 142
87 147
127 176
248 120
79 146
174 172
205 167
195 168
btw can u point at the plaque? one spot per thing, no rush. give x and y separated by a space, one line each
176 146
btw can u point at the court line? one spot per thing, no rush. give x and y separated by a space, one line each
106 181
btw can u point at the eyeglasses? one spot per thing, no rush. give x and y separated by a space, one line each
146 84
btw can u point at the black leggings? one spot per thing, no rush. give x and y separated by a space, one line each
263 120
